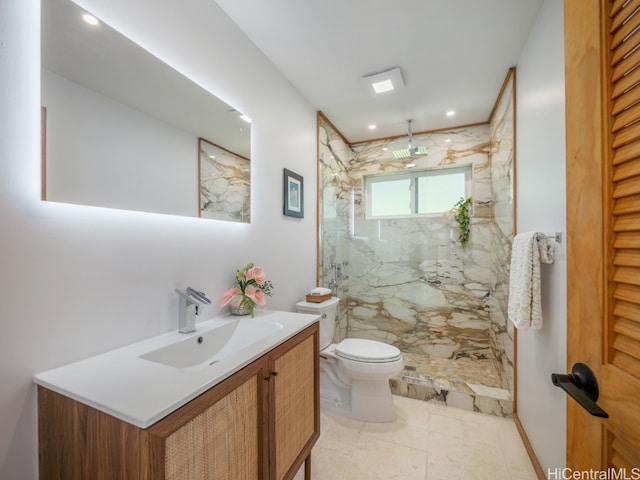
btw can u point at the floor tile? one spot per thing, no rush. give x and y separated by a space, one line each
327 464
397 432
375 459
427 441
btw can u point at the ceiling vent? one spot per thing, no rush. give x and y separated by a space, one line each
383 82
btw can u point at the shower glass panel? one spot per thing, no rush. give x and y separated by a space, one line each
405 279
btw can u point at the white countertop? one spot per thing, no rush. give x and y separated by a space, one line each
142 392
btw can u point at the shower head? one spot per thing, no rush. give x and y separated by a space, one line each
410 151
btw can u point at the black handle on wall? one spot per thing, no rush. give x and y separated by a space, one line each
582 386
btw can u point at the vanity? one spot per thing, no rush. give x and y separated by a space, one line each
237 399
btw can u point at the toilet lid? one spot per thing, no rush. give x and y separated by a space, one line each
366 350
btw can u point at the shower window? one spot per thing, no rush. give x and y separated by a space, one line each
424 192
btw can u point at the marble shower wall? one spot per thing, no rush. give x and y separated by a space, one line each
335 158
407 281
411 283
502 180
502 152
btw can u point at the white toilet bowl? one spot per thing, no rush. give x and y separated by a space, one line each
355 373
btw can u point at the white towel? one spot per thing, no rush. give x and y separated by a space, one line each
320 291
528 250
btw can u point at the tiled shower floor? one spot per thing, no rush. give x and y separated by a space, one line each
464 383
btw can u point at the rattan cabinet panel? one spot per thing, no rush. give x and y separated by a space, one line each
294 404
220 443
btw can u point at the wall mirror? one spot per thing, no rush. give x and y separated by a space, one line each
124 130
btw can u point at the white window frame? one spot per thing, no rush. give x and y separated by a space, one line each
413 175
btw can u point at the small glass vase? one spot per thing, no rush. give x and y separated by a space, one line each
239 310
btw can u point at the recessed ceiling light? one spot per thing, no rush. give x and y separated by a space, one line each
372 127
90 19
384 149
383 82
450 113
448 140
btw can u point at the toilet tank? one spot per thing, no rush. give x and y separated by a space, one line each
328 310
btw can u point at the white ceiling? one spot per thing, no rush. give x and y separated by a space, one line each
453 55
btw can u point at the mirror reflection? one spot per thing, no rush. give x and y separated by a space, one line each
224 183
125 130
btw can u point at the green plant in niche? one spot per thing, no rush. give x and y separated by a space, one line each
463 219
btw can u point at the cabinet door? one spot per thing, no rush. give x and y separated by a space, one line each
223 440
295 412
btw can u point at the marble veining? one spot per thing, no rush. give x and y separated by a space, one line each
408 281
225 186
502 168
465 383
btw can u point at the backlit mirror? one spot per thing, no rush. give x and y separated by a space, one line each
124 130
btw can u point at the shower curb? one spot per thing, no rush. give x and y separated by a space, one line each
467 396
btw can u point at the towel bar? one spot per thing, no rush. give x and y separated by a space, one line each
557 236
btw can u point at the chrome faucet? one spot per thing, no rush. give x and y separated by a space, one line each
190 300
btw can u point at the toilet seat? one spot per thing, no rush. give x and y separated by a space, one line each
369 351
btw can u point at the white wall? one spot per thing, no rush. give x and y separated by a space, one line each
75 281
541 206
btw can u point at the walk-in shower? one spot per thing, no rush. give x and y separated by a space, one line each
405 279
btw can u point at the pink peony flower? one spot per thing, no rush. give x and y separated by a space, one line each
252 289
256 295
257 274
229 295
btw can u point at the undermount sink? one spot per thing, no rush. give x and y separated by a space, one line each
202 349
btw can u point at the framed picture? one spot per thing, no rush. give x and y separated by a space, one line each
293 194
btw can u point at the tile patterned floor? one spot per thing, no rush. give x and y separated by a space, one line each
466 383
428 441
461 370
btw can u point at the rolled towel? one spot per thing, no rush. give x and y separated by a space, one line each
319 291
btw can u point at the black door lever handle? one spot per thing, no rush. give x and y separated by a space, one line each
582 386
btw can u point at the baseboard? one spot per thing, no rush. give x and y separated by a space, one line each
527 445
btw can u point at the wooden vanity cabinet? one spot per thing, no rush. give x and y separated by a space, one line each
258 424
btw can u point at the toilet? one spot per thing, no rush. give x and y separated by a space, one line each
355 373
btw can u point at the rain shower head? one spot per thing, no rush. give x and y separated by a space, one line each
410 151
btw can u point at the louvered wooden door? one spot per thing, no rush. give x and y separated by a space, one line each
602 48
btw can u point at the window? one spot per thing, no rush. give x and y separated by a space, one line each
416 193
